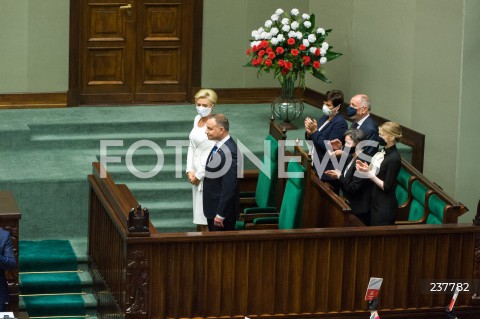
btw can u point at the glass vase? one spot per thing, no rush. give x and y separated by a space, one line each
287 107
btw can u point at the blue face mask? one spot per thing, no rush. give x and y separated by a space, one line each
351 111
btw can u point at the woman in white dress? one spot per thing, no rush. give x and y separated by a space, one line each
198 150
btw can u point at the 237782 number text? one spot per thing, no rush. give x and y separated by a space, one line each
449 286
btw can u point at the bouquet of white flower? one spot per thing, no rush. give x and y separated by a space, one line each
289 45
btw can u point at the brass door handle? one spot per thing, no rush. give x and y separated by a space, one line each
128 6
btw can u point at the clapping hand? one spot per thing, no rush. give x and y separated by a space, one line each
310 125
336 144
333 173
361 166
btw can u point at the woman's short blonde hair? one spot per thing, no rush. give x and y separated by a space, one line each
207 94
393 129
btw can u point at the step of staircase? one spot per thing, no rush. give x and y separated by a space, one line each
105 127
93 141
48 292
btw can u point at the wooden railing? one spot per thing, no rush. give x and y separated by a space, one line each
9 220
314 273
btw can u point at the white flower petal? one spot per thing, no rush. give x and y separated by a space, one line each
306 43
308 24
321 31
292 34
268 23
305 16
312 50
274 31
294 12
278 11
312 38
295 25
325 45
286 28
274 17
323 52
274 41
285 21
323 60
299 35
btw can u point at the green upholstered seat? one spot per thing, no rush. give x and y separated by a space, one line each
436 209
401 191
417 207
292 203
266 191
402 195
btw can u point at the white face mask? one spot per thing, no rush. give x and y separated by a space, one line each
203 111
326 110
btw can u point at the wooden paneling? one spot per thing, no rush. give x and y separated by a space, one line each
32 100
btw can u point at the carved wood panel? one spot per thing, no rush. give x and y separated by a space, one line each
137 50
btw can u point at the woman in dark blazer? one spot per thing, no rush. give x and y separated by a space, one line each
329 127
383 171
356 188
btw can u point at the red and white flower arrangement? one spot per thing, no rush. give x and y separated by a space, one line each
289 45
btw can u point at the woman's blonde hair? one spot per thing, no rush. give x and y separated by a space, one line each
393 129
207 94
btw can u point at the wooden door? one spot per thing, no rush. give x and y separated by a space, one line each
138 51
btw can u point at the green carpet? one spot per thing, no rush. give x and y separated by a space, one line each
56 291
50 283
46 255
61 305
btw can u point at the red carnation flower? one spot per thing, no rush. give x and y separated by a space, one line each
306 60
288 65
281 63
317 52
269 49
261 53
316 64
302 47
268 62
291 41
249 51
285 71
255 48
264 44
271 55
294 52
279 50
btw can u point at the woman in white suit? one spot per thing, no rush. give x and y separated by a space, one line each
198 151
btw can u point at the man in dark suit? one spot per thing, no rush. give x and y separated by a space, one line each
7 261
221 203
359 110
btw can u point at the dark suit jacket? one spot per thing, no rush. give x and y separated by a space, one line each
357 190
370 127
335 129
7 261
220 185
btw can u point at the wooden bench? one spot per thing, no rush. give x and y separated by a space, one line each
425 202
